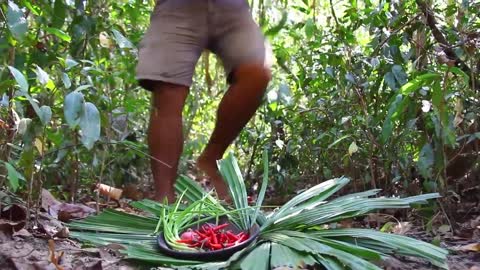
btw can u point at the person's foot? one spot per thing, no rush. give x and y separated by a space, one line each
209 167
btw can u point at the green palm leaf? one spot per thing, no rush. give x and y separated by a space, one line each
290 236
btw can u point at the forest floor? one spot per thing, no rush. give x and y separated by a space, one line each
45 245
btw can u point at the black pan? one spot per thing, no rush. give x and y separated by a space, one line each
208 256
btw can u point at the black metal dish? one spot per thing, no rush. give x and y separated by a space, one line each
207 256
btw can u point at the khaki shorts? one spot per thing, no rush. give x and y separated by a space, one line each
180 30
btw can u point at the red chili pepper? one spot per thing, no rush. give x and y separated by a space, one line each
203 236
219 227
232 237
213 237
216 246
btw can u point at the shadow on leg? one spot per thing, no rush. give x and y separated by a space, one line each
165 136
235 110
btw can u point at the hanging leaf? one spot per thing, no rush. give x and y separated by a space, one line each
419 81
390 80
13 176
121 40
45 114
310 28
42 76
399 74
59 14
66 80
59 33
90 125
353 148
70 63
20 78
73 108
426 160
16 21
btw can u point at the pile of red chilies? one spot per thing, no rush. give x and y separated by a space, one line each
211 237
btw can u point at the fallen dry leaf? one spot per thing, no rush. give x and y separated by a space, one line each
22 233
470 247
63 233
48 201
14 212
64 211
402 228
8 228
68 211
444 229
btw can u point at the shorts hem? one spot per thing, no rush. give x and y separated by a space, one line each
159 78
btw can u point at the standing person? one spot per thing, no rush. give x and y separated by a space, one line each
180 30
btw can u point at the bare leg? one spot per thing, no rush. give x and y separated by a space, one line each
235 110
165 136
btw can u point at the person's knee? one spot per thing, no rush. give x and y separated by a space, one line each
168 98
254 73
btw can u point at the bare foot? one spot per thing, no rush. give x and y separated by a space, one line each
209 166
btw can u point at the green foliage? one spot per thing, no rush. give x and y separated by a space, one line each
297 234
360 88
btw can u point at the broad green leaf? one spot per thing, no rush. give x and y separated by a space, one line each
59 14
70 63
89 125
42 76
20 78
121 40
390 80
258 258
23 125
353 148
309 28
73 108
400 75
66 80
426 160
419 81
16 21
282 256
82 87
59 33
13 176
45 114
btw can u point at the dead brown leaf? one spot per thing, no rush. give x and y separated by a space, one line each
68 211
64 211
48 201
8 228
49 225
22 233
14 212
470 247
63 233
402 228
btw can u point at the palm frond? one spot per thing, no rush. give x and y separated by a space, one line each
293 235
390 244
282 256
116 222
